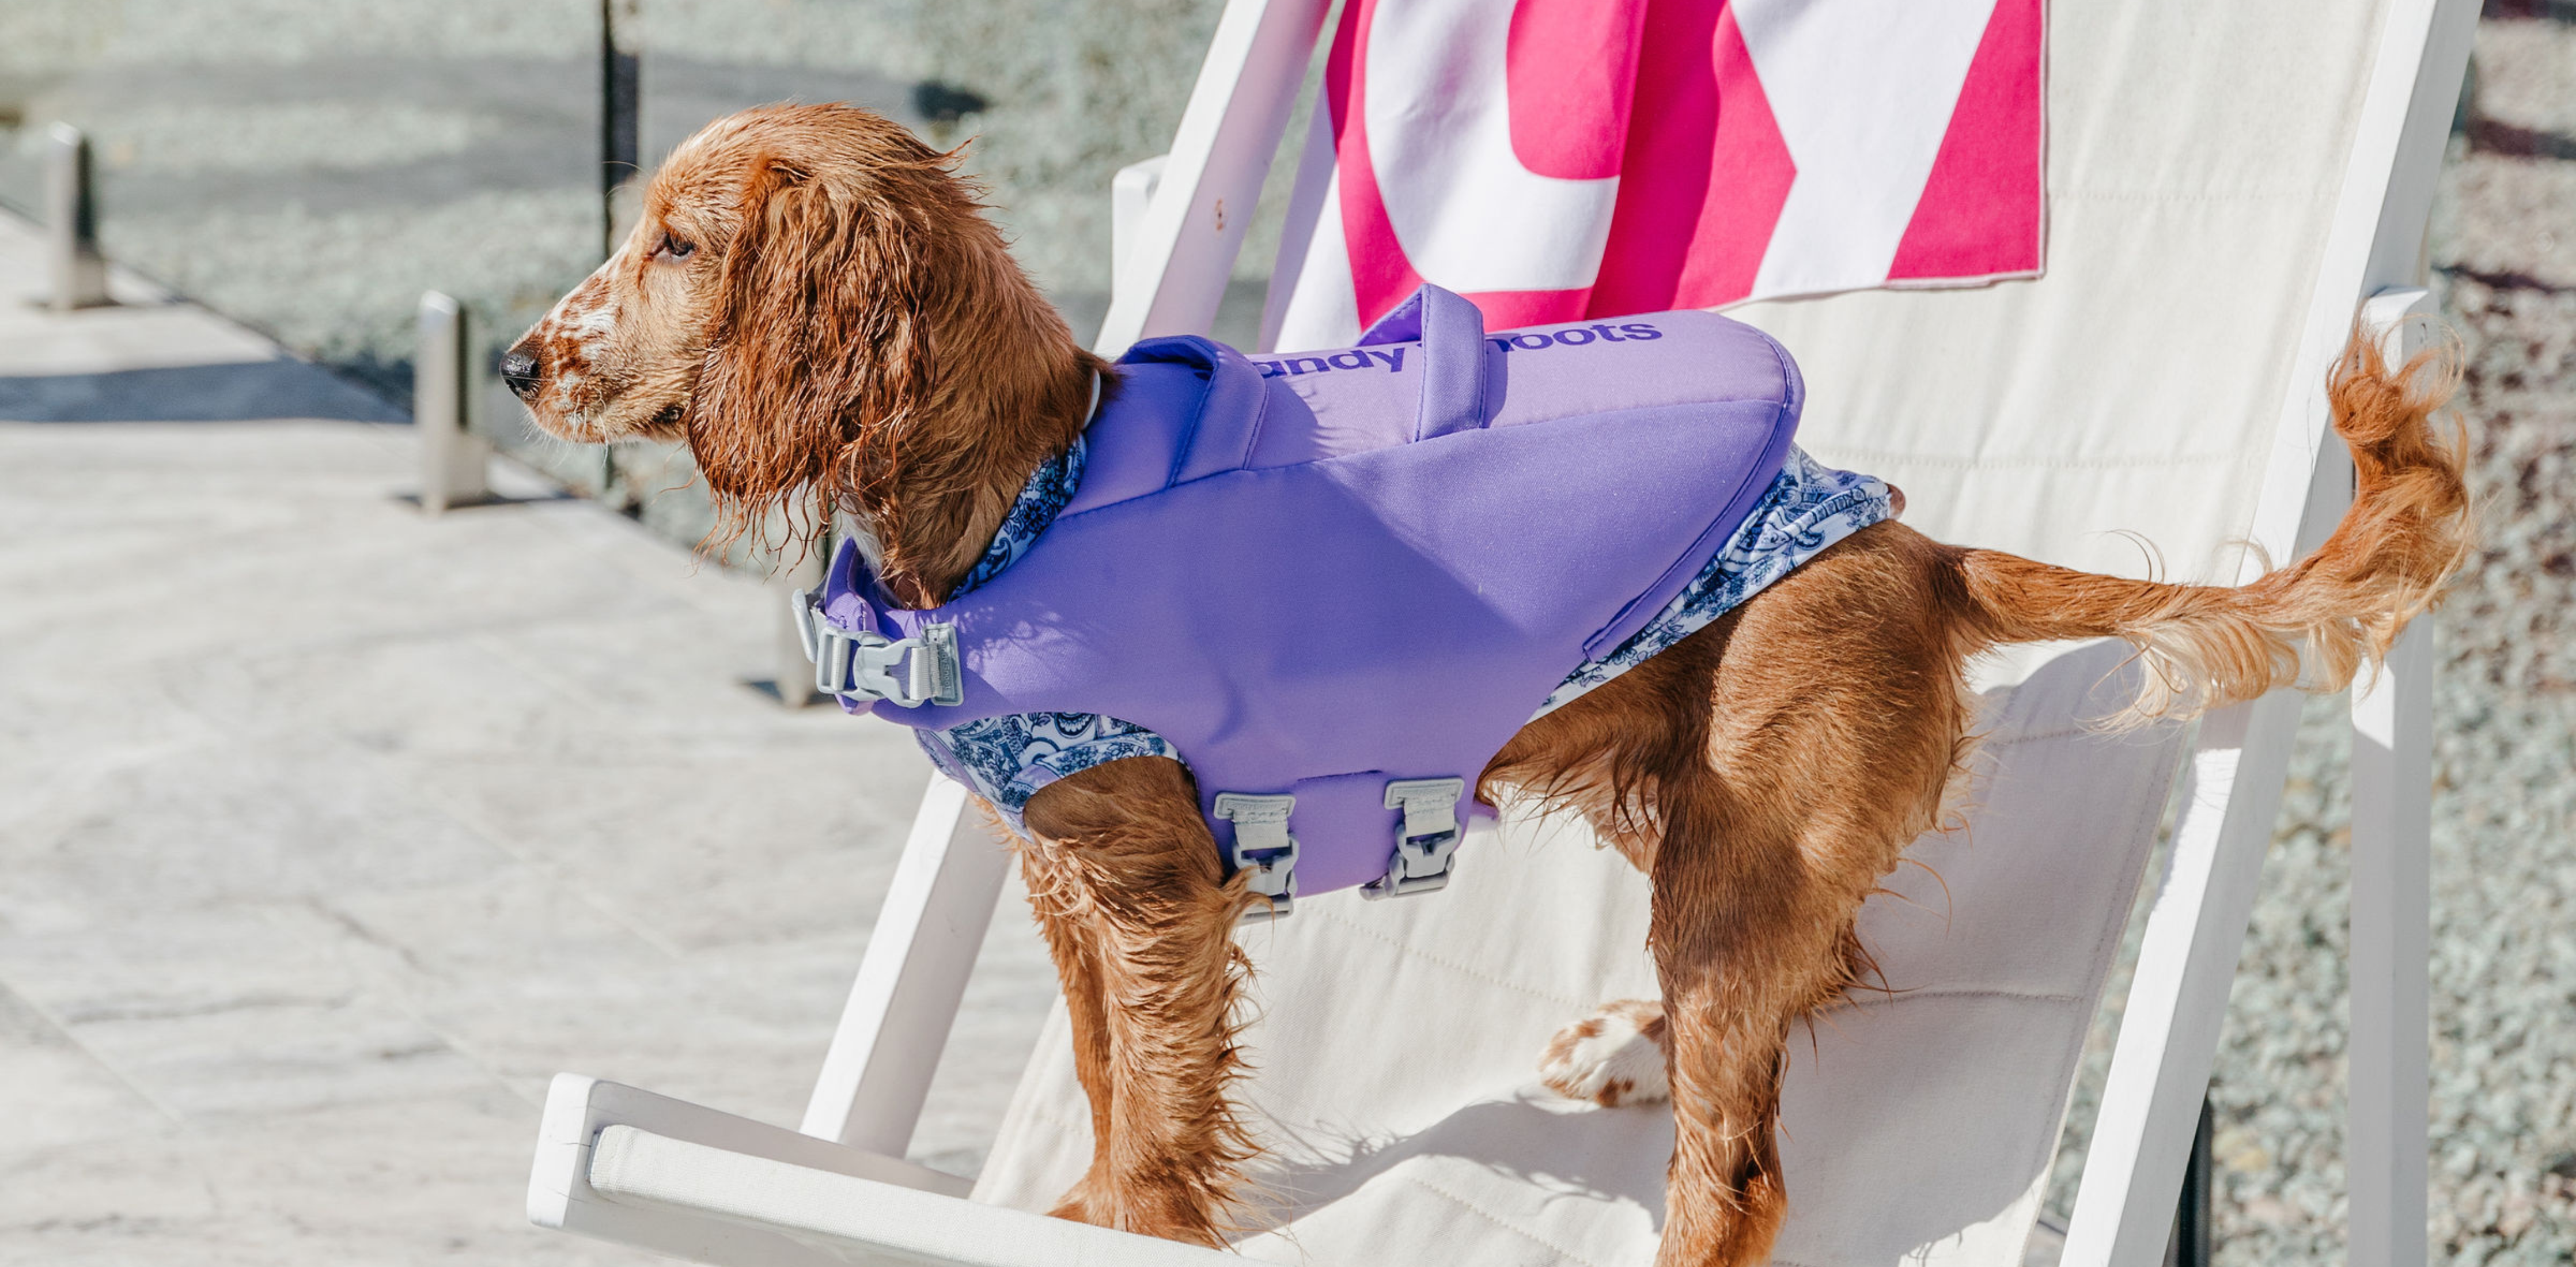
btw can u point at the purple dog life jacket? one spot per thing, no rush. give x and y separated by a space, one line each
1319 575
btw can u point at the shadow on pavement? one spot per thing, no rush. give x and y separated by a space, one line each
236 392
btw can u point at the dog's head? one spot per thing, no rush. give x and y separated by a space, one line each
777 305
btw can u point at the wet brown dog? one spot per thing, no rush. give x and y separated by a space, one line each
817 305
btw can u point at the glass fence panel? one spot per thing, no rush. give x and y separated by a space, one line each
311 166
1049 97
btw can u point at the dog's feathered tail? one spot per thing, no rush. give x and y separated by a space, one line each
2205 646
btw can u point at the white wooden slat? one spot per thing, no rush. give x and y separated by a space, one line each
1131 196
2390 1084
2195 933
2196 930
896 1024
2392 928
1212 180
1307 205
840 1217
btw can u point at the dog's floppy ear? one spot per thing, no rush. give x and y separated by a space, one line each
817 347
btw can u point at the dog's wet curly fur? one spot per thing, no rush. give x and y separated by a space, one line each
815 302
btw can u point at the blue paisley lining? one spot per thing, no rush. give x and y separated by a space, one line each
1005 760
1040 501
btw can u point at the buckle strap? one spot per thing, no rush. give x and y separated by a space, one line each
1263 846
910 672
1425 841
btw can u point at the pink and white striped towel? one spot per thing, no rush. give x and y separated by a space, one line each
1562 159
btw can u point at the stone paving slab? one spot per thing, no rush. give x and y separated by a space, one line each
328 832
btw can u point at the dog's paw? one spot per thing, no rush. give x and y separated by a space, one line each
1614 1056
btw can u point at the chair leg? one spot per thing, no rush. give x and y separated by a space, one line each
2392 927
896 1023
2192 1244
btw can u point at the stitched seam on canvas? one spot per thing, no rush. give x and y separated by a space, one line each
1452 964
2149 737
1904 994
1873 457
2152 196
2065 732
1948 992
1517 1230
1068 1120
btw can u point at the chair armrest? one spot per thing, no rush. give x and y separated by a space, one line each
858 1219
579 1110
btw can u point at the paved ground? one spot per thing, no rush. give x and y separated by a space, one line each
328 833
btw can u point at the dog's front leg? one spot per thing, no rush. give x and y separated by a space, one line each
1138 914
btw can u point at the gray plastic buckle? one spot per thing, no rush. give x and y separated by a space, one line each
805 607
1424 843
911 672
1263 846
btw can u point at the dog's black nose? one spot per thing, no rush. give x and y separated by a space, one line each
519 370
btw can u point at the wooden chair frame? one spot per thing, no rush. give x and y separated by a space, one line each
629 1166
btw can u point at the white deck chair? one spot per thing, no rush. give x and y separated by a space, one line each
2227 183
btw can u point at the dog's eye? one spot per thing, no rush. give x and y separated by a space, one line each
677 247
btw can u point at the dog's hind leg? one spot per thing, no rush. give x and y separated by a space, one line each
1747 940
1598 757
1140 918
1765 773
1835 723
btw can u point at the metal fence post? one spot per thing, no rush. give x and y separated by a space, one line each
71 222
454 462
2194 1240
621 116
